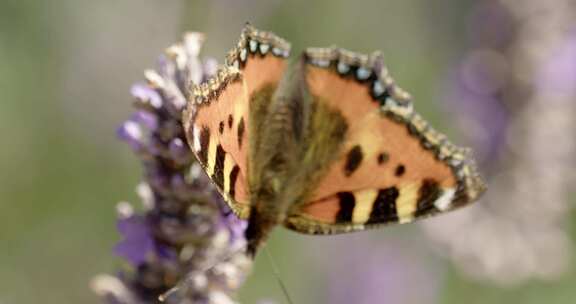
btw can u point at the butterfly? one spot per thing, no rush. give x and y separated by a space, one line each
329 144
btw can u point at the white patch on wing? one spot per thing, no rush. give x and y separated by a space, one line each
264 48
445 200
196 138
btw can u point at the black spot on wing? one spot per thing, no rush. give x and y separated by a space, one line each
218 175
384 207
429 192
233 177
221 127
382 158
400 170
204 142
347 203
230 121
353 160
241 129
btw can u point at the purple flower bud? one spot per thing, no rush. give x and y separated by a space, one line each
181 189
131 133
145 118
146 95
180 151
137 241
159 181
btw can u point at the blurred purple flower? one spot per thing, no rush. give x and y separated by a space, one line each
491 25
377 274
484 117
558 74
515 99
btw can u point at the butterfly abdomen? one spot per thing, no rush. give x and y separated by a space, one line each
260 224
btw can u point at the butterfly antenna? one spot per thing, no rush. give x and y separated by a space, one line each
277 275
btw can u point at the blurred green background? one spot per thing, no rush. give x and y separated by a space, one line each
65 70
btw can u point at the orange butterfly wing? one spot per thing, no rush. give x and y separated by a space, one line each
392 166
216 120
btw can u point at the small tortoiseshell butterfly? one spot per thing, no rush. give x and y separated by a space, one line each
331 145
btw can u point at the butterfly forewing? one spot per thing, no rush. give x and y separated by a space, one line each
217 120
390 165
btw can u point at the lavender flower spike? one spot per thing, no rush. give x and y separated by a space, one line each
186 244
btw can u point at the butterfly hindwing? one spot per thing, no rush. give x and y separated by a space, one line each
217 120
390 166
